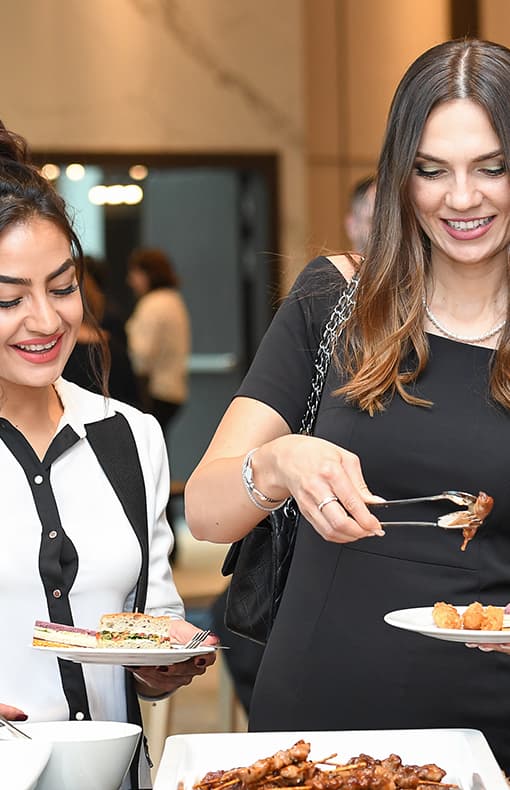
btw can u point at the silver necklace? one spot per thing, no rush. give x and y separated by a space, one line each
454 336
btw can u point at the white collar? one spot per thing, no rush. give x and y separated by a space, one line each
81 406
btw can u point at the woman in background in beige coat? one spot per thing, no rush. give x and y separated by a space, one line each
158 331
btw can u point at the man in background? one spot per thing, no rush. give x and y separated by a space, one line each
358 219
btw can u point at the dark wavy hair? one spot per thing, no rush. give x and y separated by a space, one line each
25 194
388 322
157 265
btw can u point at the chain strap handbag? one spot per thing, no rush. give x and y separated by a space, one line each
259 563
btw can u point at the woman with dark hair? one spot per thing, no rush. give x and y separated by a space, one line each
84 478
158 333
416 401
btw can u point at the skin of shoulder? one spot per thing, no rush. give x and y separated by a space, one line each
344 264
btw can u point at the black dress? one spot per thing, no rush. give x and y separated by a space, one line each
373 676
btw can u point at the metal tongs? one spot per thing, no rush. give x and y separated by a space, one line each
12 729
458 519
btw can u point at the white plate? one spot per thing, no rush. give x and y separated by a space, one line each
421 621
22 763
464 754
134 657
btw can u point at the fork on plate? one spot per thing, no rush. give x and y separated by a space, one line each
196 640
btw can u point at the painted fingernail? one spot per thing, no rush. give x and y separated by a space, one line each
162 669
21 717
200 662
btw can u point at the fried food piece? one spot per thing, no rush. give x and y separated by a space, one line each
492 618
473 617
446 616
483 505
480 510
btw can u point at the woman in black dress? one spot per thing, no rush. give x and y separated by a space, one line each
417 402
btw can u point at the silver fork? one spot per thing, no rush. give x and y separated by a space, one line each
196 640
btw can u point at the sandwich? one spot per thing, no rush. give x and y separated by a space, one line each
57 635
134 630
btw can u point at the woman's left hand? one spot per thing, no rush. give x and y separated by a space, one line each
158 680
489 648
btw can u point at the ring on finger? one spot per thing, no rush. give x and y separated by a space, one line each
326 501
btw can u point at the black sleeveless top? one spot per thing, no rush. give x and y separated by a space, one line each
373 676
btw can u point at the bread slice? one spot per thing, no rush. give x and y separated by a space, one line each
134 630
58 635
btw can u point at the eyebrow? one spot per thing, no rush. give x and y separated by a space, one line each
482 158
4 278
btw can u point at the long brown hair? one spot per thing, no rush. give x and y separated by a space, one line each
387 324
24 194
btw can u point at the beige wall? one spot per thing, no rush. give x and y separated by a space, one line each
357 50
495 20
310 80
162 76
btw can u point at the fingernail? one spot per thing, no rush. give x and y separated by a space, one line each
200 662
21 717
485 649
380 533
376 498
162 669
470 644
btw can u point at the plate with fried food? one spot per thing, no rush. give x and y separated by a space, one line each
475 623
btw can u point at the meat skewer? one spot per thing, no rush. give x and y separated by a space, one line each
290 770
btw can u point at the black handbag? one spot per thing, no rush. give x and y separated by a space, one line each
259 563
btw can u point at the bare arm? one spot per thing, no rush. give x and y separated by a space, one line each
308 468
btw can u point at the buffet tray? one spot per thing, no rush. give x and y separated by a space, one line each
463 753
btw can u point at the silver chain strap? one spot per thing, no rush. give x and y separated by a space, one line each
332 331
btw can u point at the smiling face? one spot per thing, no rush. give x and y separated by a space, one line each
460 188
40 304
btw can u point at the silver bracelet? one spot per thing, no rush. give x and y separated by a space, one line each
252 491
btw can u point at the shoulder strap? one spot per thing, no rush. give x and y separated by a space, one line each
332 331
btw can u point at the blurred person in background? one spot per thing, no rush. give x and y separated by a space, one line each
159 334
358 220
122 383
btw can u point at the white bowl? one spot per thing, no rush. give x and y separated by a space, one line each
21 763
85 754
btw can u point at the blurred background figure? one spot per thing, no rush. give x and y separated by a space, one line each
158 332
79 369
358 219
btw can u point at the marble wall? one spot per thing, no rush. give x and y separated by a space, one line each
163 76
308 80
357 51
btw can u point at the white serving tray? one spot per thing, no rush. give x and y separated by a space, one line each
464 754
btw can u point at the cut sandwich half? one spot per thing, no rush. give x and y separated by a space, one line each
134 630
58 635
